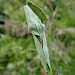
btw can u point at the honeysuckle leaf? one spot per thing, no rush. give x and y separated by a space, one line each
37 28
39 12
45 48
40 52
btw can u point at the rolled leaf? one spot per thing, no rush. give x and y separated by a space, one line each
40 52
45 48
35 25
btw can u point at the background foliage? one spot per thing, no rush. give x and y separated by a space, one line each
18 54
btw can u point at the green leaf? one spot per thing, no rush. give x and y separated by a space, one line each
37 28
35 25
45 48
39 12
40 52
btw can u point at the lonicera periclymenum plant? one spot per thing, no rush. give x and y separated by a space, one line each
36 25
36 20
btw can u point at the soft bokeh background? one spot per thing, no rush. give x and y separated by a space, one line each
18 55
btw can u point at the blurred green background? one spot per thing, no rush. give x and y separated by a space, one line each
18 55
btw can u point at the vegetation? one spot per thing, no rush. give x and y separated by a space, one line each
18 55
